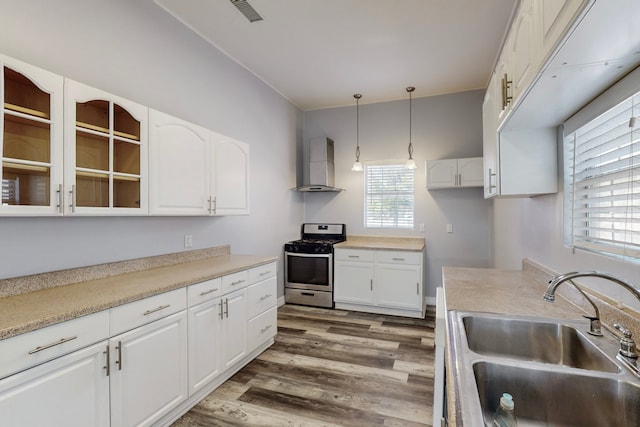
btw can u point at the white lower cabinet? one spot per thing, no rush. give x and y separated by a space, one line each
72 390
380 281
139 364
148 371
233 331
353 276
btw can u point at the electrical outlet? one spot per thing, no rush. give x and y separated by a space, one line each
449 228
188 240
421 228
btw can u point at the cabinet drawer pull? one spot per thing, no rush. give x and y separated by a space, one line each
307 294
353 256
162 307
237 282
203 293
53 344
264 273
265 329
265 297
398 259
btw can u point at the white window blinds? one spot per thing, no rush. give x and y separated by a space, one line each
389 196
602 177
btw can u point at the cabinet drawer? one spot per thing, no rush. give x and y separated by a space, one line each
30 349
261 296
132 315
354 255
234 281
399 257
204 291
262 328
257 274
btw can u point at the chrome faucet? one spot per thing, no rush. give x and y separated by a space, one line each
627 346
595 327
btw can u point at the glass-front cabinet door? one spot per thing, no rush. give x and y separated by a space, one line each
31 145
105 153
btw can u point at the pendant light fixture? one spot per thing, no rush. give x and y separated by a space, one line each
357 166
411 164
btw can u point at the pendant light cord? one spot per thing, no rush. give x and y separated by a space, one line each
410 89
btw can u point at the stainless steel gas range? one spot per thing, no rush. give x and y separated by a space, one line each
308 264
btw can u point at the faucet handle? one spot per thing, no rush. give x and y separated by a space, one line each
627 345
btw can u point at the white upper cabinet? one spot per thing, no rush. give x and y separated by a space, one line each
520 159
452 173
230 176
553 19
31 147
179 166
105 153
195 171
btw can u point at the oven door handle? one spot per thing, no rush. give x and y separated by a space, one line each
308 255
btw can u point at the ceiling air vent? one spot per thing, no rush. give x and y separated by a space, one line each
247 10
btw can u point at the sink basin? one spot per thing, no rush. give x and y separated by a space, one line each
533 340
557 398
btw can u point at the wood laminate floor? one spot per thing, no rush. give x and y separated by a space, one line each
331 368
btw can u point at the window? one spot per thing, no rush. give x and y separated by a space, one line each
602 183
389 196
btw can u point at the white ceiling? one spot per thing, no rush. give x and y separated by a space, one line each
318 53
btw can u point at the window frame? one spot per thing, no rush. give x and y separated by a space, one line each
602 200
400 219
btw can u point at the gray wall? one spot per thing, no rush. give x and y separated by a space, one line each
447 126
135 50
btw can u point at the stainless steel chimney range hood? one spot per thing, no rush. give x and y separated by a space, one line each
319 169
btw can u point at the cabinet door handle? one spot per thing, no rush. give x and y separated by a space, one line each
226 307
73 198
237 282
210 208
221 311
53 344
203 293
60 192
417 288
371 280
491 174
107 367
119 361
215 205
265 297
162 307
507 86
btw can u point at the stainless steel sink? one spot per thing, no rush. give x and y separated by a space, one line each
557 398
557 374
535 340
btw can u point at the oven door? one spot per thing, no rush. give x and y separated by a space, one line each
308 271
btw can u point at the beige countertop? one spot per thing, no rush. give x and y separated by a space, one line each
413 244
33 310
